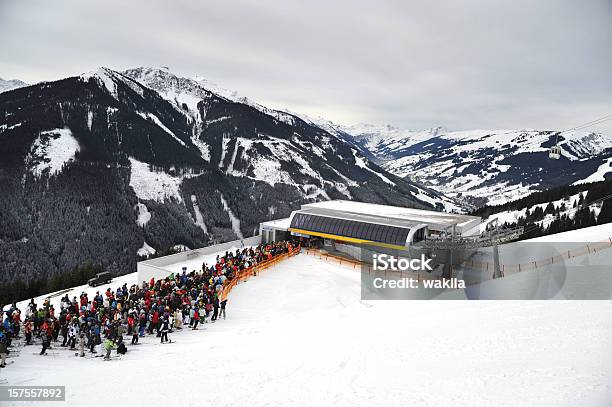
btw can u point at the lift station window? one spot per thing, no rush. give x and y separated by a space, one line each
349 228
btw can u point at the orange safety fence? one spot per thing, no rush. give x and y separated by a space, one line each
244 275
363 266
335 258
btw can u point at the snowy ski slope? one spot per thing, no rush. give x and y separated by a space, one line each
298 334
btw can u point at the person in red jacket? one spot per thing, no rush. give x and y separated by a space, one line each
27 327
154 322
196 318
47 335
130 322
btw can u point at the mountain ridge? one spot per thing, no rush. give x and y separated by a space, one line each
490 166
10 84
172 171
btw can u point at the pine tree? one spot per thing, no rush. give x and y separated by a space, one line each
605 216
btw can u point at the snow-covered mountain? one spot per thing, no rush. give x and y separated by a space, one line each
6 85
112 164
283 149
386 142
489 166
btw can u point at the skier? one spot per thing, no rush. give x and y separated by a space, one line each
46 343
196 318
82 339
47 335
190 316
164 331
121 348
215 303
109 344
3 348
142 321
72 333
94 338
178 319
223 304
64 331
130 322
134 337
27 328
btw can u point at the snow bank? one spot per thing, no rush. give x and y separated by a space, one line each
151 117
599 233
149 184
51 150
145 250
199 219
233 219
599 174
360 162
144 216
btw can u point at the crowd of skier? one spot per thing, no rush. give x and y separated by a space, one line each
110 318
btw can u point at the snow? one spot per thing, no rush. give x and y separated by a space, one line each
179 92
448 205
224 140
266 168
89 119
149 184
513 216
269 170
599 233
217 120
199 219
105 77
360 162
233 219
203 147
6 85
5 127
53 149
180 247
598 175
343 189
312 191
155 119
487 148
379 136
145 250
298 334
144 216
277 224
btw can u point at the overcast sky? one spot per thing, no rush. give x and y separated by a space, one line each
413 64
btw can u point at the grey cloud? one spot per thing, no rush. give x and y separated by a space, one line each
414 64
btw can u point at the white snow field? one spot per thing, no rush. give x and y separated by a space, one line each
298 334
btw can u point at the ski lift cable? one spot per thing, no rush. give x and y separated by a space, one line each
588 124
555 151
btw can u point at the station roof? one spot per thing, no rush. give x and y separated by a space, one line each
283 224
356 231
389 215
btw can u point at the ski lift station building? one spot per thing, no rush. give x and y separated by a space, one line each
349 223
344 226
